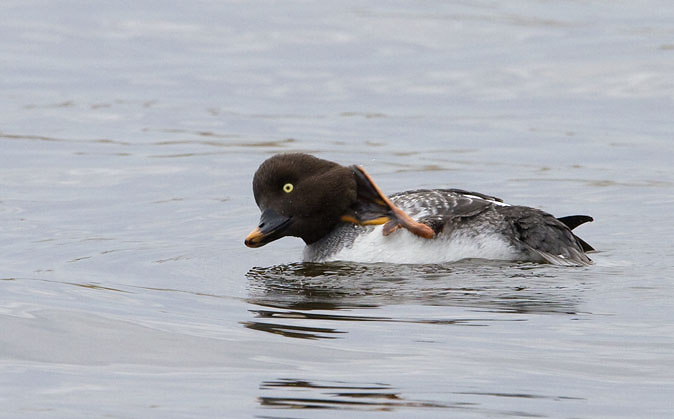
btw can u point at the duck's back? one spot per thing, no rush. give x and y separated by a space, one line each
467 225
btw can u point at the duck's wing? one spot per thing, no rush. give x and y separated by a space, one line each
547 236
539 232
438 207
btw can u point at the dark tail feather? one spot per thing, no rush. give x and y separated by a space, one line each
573 221
586 247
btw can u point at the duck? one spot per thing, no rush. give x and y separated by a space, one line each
342 215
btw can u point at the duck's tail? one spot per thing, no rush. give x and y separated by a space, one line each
573 221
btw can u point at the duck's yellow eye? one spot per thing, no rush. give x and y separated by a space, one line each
288 187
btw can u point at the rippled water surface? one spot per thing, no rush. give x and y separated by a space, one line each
128 139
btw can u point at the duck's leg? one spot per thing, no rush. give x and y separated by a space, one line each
390 227
398 217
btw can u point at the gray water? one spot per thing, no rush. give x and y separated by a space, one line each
129 134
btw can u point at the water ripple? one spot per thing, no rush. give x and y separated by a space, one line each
490 287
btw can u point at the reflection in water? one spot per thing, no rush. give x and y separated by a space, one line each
339 395
289 393
519 395
293 298
302 332
489 286
311 332
326 301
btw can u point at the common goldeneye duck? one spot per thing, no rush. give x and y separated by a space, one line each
341 214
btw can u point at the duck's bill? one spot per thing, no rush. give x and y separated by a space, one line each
374 208
272 226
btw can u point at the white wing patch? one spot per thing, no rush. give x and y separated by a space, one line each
493 201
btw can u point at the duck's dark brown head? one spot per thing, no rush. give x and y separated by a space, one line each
304 196
300 195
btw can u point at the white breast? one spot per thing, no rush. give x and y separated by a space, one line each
404 247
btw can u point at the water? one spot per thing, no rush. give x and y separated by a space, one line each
130 133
